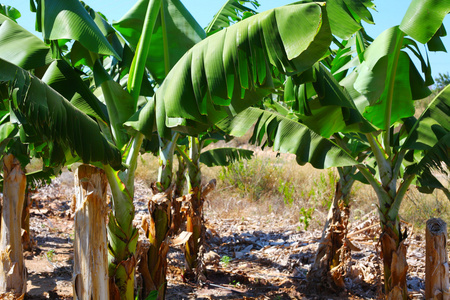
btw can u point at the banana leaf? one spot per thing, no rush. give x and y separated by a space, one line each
374 80
62 78
21 47
423 18
68 19
56 118
9 12
231 70
224 156
175 32
232 11
287 136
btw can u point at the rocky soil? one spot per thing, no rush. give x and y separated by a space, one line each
261 257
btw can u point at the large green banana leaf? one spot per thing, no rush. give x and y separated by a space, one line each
64 79
21 47
330 102
231 11
68 19
232 69
287 136
175 32
56 118
346 15
424 18
224 156
374 80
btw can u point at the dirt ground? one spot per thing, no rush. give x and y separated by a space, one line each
246 258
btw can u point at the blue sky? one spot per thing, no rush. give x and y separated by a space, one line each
388 14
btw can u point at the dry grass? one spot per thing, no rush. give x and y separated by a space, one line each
147 169
34 165
417 208
277 186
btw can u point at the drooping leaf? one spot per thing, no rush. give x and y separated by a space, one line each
427 182
429 141
68 19
21 47
61 77
331 101
423 18
287 136
230 70
40 178
346 15
175 32
54 117
435 158
224 156
435 43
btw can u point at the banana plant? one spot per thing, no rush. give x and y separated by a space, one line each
389 110
384 157
192 155
317 33
92 53
238 84
304 101
27 101
332 256
100 128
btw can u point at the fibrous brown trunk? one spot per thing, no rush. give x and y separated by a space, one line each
332 257
90 275
153 256
193 249
27 241
194 224
13 274
436 262
393 251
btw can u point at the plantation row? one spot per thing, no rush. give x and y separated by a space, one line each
305 78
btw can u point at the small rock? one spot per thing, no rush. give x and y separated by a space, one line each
247 249
212 258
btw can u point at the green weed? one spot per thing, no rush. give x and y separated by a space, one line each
322 189
306 216
50 254
287 190
235 283
225 260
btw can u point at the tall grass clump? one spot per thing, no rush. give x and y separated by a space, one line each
252 179
275 185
